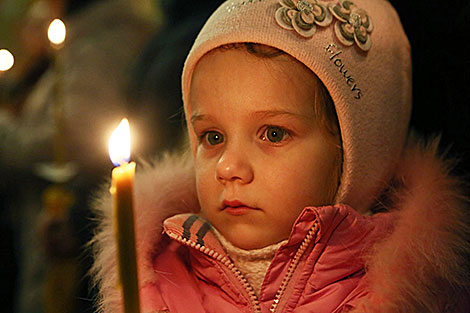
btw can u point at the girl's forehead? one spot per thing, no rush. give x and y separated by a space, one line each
281 62
236 75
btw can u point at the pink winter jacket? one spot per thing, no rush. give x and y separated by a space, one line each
318 270
412 259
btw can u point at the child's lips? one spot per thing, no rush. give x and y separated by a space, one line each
236 207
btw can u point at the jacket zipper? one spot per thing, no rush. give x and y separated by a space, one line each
293 266
226 262
249 289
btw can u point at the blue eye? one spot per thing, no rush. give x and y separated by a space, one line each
214 138
274 134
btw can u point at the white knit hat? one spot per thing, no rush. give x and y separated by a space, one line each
358 49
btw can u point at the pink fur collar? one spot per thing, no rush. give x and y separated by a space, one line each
423 259
426 256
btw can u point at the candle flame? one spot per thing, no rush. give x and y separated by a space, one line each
120 144
6 60
56 32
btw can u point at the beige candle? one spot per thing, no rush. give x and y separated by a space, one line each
122 192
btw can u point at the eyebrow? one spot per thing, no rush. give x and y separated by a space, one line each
197 117
275 113
259 114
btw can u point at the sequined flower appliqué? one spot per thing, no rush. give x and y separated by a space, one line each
303 16
353 25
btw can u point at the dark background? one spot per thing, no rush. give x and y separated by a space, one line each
439 35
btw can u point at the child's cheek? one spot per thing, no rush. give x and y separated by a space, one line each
204 168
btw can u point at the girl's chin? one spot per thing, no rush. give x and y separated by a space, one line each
249 241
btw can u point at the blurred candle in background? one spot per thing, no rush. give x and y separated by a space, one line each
6 63
56 34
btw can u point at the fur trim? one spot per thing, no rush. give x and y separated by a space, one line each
426 256
424 259
168 188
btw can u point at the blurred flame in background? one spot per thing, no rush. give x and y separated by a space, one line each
56 32
6 60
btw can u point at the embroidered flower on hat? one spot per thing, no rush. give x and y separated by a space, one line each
353 25
303 16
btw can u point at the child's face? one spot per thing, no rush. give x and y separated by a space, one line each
260 155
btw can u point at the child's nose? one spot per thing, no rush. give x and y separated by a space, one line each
234 166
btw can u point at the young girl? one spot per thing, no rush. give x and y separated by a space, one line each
297 115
